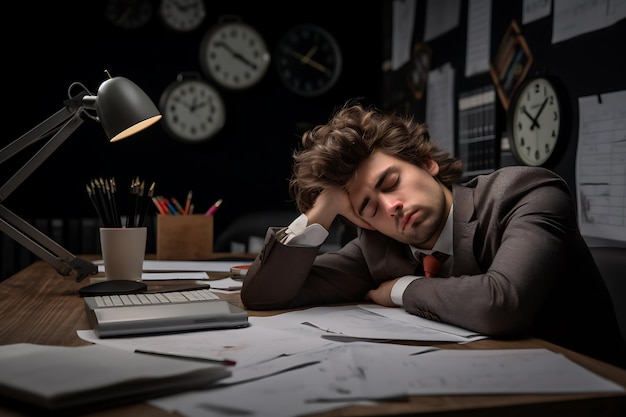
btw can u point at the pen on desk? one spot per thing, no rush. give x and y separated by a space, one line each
227 362
213 208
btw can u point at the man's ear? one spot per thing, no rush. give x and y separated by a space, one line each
432 167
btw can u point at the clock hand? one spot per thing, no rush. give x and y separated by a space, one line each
198 106
543 105
309 54
534 121
306 59
236 54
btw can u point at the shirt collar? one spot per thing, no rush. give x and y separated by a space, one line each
444 242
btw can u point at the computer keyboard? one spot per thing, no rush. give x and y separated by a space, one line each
153 298
162 312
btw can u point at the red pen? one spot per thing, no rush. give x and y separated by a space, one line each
213 208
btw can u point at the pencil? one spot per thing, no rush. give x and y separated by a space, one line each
92 197
95 184
116 215
180 208
130 220
188 202
227 362
155 201
145 200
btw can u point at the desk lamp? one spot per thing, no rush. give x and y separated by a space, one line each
122 109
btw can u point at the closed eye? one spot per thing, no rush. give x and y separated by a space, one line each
388 181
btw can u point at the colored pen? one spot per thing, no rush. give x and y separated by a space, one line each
169 205
161 201
227 362
213 208
158 206
180 208
188 202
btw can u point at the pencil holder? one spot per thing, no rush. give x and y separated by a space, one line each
185 237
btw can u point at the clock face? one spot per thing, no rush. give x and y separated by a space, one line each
536 122
182 15
308 60
193 111
128 14
234 55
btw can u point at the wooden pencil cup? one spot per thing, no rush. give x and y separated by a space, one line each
184 238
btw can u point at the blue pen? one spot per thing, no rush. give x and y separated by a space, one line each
170 206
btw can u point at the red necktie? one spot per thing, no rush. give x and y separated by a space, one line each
432 263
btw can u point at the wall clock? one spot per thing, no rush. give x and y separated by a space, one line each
193 110
128 14
538 121
234 54
308 60
182 15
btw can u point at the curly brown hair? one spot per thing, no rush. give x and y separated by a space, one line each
330 153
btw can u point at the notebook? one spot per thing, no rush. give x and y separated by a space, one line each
162 312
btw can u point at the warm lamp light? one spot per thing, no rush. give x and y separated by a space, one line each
122 109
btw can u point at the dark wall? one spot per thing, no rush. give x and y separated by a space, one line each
54 44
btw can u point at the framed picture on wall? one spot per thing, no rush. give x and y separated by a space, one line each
511 64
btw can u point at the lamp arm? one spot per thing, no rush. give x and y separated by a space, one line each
21 231
44 247
34 135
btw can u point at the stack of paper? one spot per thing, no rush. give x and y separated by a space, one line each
58 377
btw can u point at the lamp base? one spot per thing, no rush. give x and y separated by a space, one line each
113 287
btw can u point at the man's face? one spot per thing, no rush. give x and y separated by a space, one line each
399 199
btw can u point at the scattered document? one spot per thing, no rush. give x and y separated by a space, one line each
286 365
64 378
346 374
355 322
245 346
401 314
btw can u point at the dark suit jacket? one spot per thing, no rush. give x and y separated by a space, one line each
520 267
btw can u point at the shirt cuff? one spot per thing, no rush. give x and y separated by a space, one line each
398 288
299 234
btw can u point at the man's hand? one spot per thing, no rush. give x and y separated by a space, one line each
330 203
382 294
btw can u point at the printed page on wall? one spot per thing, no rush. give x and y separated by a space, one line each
601 166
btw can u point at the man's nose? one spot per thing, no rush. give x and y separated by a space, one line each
392 206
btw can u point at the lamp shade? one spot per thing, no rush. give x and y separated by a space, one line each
123 108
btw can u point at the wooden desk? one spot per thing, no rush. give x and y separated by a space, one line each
37 305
